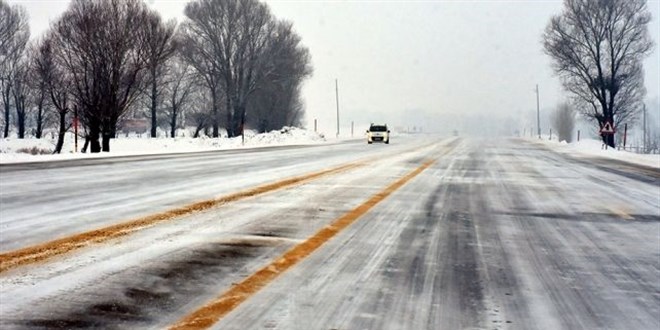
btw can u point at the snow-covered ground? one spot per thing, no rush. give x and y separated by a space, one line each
13 150
495 234
594 148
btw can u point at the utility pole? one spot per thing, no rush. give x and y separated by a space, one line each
538 112
337 100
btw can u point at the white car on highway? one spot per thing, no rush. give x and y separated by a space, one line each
378 133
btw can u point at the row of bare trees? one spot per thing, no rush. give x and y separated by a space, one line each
229 64
245 56
14 36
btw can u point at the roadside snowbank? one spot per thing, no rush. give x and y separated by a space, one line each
594 148
14 150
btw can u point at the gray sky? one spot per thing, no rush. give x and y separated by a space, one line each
436 64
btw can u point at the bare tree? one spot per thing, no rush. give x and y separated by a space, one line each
57 83
102 46
651 133
563 121
39 92
597 47
200 47
161 46
231 36
14 35
21 92
200 114
178 90
276 102
14 31
6 97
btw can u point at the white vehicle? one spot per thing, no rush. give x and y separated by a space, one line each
378 133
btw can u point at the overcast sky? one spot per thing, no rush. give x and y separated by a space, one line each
416 63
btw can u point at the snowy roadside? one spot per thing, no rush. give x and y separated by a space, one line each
13 150
586 148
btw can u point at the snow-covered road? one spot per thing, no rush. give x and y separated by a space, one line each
497 234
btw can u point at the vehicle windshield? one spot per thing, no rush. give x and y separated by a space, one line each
378 128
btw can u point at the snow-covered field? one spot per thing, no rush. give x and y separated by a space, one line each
13 150
593 148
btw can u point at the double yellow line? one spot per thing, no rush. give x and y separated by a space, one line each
48 250
44 251
213 311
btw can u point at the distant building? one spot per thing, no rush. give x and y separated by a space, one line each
133 125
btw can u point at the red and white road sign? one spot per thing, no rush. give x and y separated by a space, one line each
607 128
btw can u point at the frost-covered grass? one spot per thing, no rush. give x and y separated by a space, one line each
14 150
591 148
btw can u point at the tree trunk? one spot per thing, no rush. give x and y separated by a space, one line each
21 127
61 133
6 133
173 119
5 98
20 121
113 130
40 117
106 142
94 132
84 148
19 102
238 119
228 126
173 122
153 104
609 140
216 125
241 126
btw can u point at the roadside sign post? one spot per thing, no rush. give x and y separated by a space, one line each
607 129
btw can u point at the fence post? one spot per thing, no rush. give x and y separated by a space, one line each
578 136
314 125
551 134
625 135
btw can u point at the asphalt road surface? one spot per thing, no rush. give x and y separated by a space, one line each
424 233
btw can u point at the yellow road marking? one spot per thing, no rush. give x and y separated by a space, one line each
47 250
621 213
213 311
